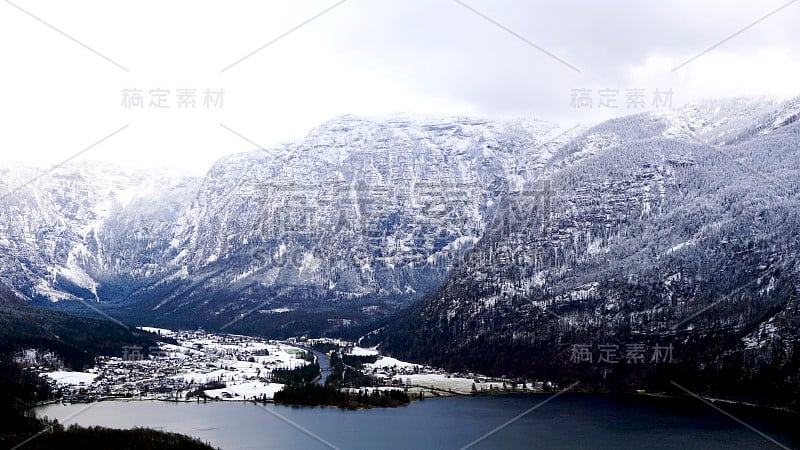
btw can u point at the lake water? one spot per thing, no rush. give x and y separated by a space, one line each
568 421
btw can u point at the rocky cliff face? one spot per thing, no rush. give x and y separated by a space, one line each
73 231
361 217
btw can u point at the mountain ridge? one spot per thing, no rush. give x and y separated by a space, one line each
647 239
360 217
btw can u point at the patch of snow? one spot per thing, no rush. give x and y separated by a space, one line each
360 351
71 378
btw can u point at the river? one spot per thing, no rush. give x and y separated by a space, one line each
322 359
567 421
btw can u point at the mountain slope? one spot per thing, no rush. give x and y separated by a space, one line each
646 237
76 340
361 217
74 231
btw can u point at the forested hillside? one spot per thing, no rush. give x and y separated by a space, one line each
645 237
76 340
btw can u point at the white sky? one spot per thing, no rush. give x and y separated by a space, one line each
368 57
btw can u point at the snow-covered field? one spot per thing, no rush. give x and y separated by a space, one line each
389 362
419 378
72 378
245 390
360 351
448 383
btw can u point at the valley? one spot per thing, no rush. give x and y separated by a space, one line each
205 366
422 257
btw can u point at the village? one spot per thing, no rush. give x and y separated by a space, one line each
205 366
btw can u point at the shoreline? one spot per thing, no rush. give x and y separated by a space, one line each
448 395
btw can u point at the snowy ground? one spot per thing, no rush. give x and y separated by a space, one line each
72 378
359 351
244 364
449 383
247 390
434 381
388 362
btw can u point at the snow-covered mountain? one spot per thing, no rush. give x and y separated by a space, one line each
627 229
361 217
677 229
54 232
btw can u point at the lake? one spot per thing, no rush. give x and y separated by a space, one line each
568 421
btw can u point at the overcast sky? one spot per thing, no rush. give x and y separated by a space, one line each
65 66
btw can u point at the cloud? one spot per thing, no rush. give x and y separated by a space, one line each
364 57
